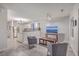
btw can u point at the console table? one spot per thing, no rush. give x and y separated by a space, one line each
45 40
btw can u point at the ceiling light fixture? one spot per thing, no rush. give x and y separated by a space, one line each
21 19
49 17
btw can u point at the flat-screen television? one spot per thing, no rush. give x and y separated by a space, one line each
52 29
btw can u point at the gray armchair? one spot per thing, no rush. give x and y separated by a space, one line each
58 49
32 40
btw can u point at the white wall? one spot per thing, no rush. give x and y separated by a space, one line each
74 40
78 32
3 28
5 15
63 28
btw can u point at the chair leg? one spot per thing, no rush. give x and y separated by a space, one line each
31 46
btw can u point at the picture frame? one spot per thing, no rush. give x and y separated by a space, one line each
72 26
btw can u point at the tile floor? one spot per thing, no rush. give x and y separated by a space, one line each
23 50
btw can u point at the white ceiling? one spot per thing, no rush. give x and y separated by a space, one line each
40 10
